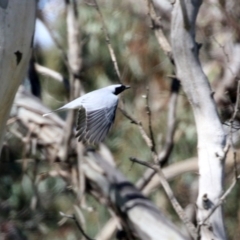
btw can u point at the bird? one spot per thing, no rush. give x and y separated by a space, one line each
96 113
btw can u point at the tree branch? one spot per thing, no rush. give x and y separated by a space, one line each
109 45
149 113
192 230
73 217
135 209
140 127
220 202
49 73
75 65
157 27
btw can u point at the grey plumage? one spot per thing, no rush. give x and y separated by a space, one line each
96 113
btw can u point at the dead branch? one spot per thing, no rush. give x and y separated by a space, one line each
165 46
128 200
107 38
49 73
75 64
192 230
149 113
157 27
165 184
171 125
73 217
140 127
57 42
220 202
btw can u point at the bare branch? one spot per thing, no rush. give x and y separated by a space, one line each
170 194
236 108
107 38
171 122
165 46
157 27
149 113
223 48
128 201
49 73
75 63
164 182
220 202
57 43
140 127
228 83
235 112
73 217
108 230
171 125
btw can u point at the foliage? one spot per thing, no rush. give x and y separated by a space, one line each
33 204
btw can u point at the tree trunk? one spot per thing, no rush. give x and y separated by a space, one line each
17 20
211 137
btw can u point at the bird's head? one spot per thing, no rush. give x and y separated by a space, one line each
118 88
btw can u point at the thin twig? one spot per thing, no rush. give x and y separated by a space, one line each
146 138
186 19
73 217
191 228
171 122
166 47
149 113
140 127
157 28
163 156
75 63
234 115
107 38
172 76
223 48
49 72
58 45
235 164
235 111
220 201
236 108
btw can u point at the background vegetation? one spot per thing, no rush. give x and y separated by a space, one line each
30 203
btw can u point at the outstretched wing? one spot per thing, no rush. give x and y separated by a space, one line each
93 125
81 122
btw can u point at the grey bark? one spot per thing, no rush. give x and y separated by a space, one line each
16 30
211 137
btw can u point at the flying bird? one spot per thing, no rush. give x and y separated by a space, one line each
96 112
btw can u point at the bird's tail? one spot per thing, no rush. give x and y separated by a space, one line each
57 110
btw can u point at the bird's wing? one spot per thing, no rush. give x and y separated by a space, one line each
81 122
93 125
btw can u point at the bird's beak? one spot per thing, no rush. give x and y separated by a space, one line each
127 87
